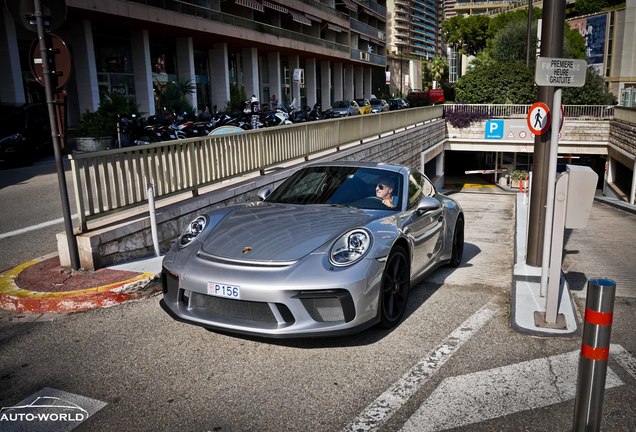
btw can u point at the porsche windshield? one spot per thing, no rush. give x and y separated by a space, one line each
367 188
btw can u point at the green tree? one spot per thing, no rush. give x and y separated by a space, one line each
499 83
502 20
510 43
467 35
594 92
174 96
584 7
439 66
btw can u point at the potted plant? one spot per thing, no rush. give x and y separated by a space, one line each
95 131
516 176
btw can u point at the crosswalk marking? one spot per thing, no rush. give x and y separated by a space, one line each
399 393
494 393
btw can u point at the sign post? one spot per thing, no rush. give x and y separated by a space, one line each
42 16
554 72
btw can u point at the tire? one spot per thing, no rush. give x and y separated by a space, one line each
458 243
394 288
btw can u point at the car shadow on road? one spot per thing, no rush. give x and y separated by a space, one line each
420 292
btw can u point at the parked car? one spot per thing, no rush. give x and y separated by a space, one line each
25 133
379 105
343 108
333 250
365 106
398 103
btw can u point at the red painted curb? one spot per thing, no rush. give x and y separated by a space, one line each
16 299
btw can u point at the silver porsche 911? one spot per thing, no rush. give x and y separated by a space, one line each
332 250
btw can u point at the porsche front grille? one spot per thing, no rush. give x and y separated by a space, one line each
242 312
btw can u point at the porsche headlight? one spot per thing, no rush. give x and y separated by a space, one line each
350 247
193 229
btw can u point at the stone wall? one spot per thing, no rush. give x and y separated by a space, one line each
121 240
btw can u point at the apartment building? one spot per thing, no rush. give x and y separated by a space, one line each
299 50
413 36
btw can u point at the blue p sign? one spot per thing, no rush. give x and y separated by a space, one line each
494 129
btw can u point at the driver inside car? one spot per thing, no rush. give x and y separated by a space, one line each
384 191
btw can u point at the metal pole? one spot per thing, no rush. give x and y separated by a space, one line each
590 387
551 46
50 101
153 219
529 41
549 209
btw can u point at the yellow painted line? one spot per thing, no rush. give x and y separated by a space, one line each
9 287
478 186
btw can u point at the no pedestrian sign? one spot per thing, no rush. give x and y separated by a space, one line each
538 118
560 72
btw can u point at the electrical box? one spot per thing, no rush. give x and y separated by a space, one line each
582 181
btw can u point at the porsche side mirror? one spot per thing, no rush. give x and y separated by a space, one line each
264 193
427 204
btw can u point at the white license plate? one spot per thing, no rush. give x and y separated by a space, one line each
223 290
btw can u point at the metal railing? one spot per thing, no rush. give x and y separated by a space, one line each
113 180
581 112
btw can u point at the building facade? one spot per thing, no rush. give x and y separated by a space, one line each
413 37
300 51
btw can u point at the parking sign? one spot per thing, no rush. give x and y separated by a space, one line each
494 129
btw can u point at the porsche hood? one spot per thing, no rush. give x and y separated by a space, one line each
269 232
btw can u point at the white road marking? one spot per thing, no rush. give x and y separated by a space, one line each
624 358
399 393
480 396
34 227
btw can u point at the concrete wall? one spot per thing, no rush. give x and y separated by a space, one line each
623 136
124 240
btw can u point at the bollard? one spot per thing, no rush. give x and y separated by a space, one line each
153 219
597 330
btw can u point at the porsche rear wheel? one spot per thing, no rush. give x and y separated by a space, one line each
458 243
396 282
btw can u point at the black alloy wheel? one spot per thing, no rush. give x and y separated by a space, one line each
458 243
396 282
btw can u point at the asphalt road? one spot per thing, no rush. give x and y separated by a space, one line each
454 363
31 211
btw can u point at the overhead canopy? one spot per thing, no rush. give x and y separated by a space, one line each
252 4
275 6
299 18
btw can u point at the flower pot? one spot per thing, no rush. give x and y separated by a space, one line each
93 144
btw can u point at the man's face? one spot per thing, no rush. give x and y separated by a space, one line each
383 191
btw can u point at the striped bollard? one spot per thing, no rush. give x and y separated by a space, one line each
597 330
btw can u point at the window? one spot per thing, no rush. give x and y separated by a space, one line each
419 186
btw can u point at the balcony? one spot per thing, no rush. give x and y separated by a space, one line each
367 30
367 57
209 14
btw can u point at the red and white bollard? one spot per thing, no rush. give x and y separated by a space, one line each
590 387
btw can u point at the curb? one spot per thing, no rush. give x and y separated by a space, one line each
16 299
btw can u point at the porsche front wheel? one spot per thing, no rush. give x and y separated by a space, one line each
458 243
396 281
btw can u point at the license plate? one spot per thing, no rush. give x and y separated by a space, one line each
223 290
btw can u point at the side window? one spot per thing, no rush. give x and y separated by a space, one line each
415 189
427 187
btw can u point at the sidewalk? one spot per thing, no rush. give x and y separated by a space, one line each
42 286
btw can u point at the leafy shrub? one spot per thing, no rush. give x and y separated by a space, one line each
519 175
462 117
